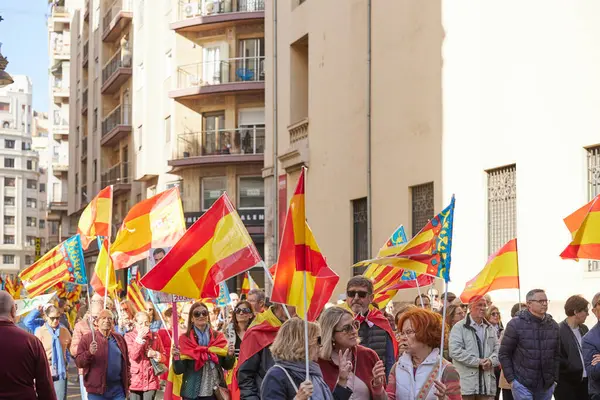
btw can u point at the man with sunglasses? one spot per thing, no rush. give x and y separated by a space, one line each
590 347
530 350
375 331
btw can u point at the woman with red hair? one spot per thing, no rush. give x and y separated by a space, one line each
415 374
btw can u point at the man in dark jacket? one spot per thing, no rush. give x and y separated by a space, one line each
24 370
375 331
590 347
530 350
572 382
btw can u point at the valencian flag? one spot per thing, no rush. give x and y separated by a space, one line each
500 272
387 280
95 219
248 284
62 263
150 224
134 290
215 248
103 263
428 252
300 253
584 225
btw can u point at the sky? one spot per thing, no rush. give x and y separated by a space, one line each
24 38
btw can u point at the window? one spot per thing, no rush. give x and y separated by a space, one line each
42 223
593 179
53 228
9 144
9 239
31 184
168 129
4 106
502 206
9 182
32 222
299 85
31 203
94 170
251 192
30 240
9 163
9 201
360 232
25 145
29 165
212 189
8 258
95 121
42 188
28 259
9 220
422 206
76 182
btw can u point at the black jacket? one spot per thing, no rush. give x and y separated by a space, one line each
252 372
571 367
530 351
378 340
277 386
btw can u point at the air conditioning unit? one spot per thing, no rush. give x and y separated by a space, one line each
190 9
212 7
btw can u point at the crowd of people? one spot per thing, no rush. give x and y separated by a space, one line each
254 350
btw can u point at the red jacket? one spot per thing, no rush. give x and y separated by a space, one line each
142 374
24 370
166 342
94 365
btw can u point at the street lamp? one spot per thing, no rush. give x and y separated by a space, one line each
5 78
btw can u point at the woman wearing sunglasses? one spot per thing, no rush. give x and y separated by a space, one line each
339 333
56 340
202 355
286 380
240 321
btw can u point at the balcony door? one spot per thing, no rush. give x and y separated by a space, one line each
213 123
211 67
251 55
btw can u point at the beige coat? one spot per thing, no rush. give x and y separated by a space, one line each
46 339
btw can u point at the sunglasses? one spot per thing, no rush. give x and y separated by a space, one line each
361 293
53 318
198 313
350 328
495 314
244 310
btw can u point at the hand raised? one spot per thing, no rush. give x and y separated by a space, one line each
93 347
378 374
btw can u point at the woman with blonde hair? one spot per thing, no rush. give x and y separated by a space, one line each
287 380
339 335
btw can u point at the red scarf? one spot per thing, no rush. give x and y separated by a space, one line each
217 346
377 318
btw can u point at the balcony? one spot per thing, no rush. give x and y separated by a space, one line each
58 206
84 101
115 73
116 125
118 176
86 53
62 51
227 146
298 153
218 77
84 149
200 15
118 16
59 167
60 91
84 197
60 17
60 126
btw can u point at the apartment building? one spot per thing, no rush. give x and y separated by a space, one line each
22 196
59 53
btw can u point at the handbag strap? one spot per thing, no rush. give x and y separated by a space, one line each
429 382
288 375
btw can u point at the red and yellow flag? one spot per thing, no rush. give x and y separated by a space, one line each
134 293
248 284
298 253
13 286
152 223
95 219
103 262
584 225
500 272
214 249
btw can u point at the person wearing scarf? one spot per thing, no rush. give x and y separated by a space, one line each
201 352
56 340
286 380
339 332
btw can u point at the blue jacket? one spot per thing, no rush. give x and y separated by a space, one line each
277 386
590 346
32 321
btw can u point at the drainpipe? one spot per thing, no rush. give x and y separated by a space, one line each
369 200
275 126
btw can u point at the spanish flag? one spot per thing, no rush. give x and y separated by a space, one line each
500 272
103 262
248 284
62 263
95 219
299 253
152 223
428 252
134 292
214 249
584 225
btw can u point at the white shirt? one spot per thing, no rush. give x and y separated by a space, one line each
479 329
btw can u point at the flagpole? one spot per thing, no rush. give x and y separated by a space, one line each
90 323
108 247
443 328
175 337
419 290
157 311
272 282
306 328
518 272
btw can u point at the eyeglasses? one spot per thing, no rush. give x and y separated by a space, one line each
198 313
407 333
464 307
361 293
244 310
542 302
350 328
495 314
53 318
109 319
